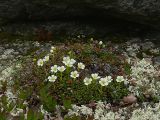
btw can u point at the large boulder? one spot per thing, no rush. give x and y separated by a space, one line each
139 11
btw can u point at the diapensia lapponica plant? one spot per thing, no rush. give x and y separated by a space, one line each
68 80
54 78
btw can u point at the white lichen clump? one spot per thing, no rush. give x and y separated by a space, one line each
144 75
102 112
147 113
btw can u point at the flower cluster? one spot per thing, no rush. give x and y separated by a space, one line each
102 81
69 63
46 58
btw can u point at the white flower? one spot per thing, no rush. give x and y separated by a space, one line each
120 79
79 36
87 81
46 58
72 61
74 74
104 46
66 58
68 62
81 65
103 82
52 49
61 69
40 62
54 68
109 78
95 76
100 43
52 78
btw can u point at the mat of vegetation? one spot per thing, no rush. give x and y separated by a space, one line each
87 80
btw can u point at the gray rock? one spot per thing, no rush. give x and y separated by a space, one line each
147 45
1 50
156 60
140 11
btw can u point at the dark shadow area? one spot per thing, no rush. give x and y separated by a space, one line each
95 22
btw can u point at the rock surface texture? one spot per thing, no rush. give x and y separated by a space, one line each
139 11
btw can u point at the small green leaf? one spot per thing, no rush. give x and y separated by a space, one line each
67 104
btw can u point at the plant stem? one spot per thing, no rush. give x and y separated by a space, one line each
101 90
68 72
61 76
74 83
54 86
